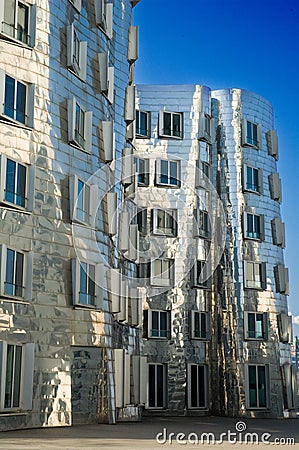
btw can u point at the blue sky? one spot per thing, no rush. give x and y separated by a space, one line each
233 43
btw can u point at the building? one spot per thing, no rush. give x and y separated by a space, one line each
67 102
216 329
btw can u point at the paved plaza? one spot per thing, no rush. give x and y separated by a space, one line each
186 432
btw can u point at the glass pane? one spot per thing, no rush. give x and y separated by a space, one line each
163 324
10 268
262 386
79 126
164 172
250 225
251 325
257 228
255 176
257 275
254 134
252 386
176 125
22 25
137 122
259 326
19 274
167 124
80 200
151 385
83 283
9 97
21 186
173 173
160 386
17 376
157 268
160 214
91 285
21 102
10 181
9 18
9 376
197 325
143 123
194 386
201 386
155 323
249 132
203 325
249 275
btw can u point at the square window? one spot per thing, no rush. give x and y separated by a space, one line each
171 124
143 123
19 21
17 100
197 386
162 271
167 173
165 222
255 275
158 324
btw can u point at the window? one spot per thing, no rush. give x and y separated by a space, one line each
18 21
156 386
158 324
76 53
162 272
104 17
255 325
79 126
202 224
171 124
167 173
253 179
16 372
83 200
197 386
253 226
142 123
142 169
200 325
16 184
205 127
16 273
17 101
258 386
251 134
165 222
199 275
76 4
255 275
86 283
142 221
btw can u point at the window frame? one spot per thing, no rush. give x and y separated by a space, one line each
147 131
88 198
76 53
76 4
173 213
77 268
28 188
207 284
266 388
161 333
256 236
29 101
259 190
264 328
85 146
205 384
172 131
255 138
104 17
155 280
204 335
31 24
202 224
156 385
159 173
26 275
262 275
142 175
25 378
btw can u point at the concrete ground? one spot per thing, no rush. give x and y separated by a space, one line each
143 435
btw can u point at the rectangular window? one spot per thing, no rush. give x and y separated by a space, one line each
202 224
142 221
142 169
76 53
14 278
258 385
79 126
104 17
199 275
251 134
167 173
142 123
171 124
15 100
255 325
200 325
158 323
197 386
162 272
254 226
18 21
87 284
15 183
165 222
255 275
16 373
83 204
156 386
253 179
